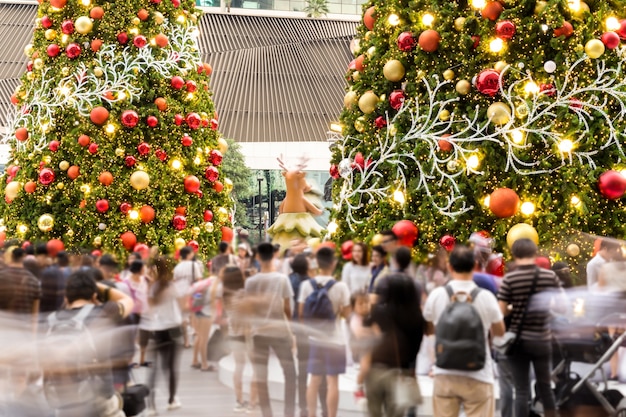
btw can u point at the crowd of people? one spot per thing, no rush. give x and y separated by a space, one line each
290 302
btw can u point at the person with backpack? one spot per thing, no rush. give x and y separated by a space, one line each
76 355
321 304
461 315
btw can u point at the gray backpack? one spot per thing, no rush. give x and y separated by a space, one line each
459 335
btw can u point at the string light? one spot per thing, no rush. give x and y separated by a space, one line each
517 136
612 23
428 19
496 45
531 88
110 128
85 188
134 31
473 162
398 196
393 19
22 229
121 95
486 201
544 28
65 90
575 201
181 19
133 214
64 38
332 227
566 146
527 208
85 3
478 4
190 96
197 160
176 164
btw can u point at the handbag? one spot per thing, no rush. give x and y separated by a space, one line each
134 397
406 392
505 345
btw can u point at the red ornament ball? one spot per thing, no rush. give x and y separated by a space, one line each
143 148
125 207
566 30
380 122
488 82
215 157
186 140
214 124
369 18
46 22
192 183
476 40
612 185
444 145
406 42
495 265
161 154
152 121
93 148
72 50
146 214
227 234
179 222
211 174
67 27
54 145
130 118
396 98
21 134
130 161
99 115
105 178
46 176
406 231
505 29
429 40
503 202
193 120
194 245
29 66
622 29
84 140
346 250
53 50
610 40
140 41
122 38
178 119
492 10
447 242
58 4
177 82
129 240
218 186
334 171
207 215
191 86
176 3
54 246
102 205
547 89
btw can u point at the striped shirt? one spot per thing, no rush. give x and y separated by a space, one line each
515 290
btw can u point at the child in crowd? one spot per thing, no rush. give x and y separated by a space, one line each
359 334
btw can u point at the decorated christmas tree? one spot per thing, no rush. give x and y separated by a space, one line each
497 116
115 136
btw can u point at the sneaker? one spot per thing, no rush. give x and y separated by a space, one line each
250 408
174 405
240 407
151 412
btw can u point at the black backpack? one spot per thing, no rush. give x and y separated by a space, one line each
318 310
459 335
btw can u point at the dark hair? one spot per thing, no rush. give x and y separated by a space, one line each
462 259
524 248
561 269
41 249
95 273
187 250
163 275
17 255
265 250
356 295
136 267
223 247
86 260
232 281
31 265
365 260
62 258
108 260
29 249
403 258
389 233
325 257
401 301
300 264
609 244
80 286
380 250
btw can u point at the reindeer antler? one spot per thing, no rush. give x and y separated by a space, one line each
302 164
281 163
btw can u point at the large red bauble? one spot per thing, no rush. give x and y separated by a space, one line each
146 213
346 250
406 41
622 29
227 234
54 145
129 240
140 41
447 242
161 154
58 4
46 22
176 3
358 63
334 171
566 30
177 82
444 145
130 118
192 183
504 202
610 40
406 231
211 174
193 120
53 50
122 38
130 161
194 245
429 40
93 148
396 98
106 178
46 176
191 86
72 50
102 205
495 265
125 207
21 134
179 222
178 119
96 13
181 210
612 185
143 148
505 29
380 122
84 140
186 140
30 187
369 18
218 186
492 10
214 124
488 82
54 246
99 115
207 215
73 172
152 121
215 157
67 27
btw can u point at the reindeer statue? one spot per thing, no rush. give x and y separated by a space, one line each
295 221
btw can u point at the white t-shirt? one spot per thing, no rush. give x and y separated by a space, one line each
270 318
593 270
165 314
339 296
356 277
186 273
489 311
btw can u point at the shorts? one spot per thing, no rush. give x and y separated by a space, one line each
237 344
327 359
201 315
144 337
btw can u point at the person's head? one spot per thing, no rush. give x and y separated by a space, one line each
378 255
300 264
265 252
461 260
108 262
359 254
232 280
360 303
326 260
223 247
524 249
63 259
402 257
96 273
610 249
163 268
136 267
17 256
561 269
81 286
186 252
87 260
41 252
242 250
389 241
132 257
401 300
30 263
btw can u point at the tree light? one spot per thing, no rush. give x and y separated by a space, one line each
336 127
110 128
531 88
85 2
85 188
197 160
133 31
623 172
486 201
566 146
332 227
64 38
65 90
612 23
181 19
398 197
473 162
428 19
393 19
22 229
121 95
517 136
574 5
575 201
478 4
190 96
133 214
496 45
527 208
176 164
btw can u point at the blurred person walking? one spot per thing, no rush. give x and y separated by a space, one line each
356 272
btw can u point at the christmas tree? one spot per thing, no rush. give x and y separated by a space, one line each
497 116
115 136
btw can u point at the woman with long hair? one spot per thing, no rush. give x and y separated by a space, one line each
163 319
203 307
399 325
356 272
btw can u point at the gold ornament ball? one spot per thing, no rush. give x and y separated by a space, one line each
119 152
64 165
208 226
394 70
368 101
50 34
135 21
195 231
540 6
60 186
228 185
222 214
459 23
222 145
356 76
392 129
83 25
377 239
38 63
28 50
98 72
448 75
179 243
47 159
463 87
12 189
350 99
360 124
521 111
573 250
594 48
45 223
444 115
500 66
97 241
521 231
30 76
158 18
140 180
371 51
499 113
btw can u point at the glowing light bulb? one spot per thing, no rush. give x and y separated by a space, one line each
428 19
134 31
544 28
181 19
336 127
517 136
64 38
623 172
197 160
575 200
531 88
393 19
176 164
85 188
398 197
478 4
121 95
473 162
574 5
496 45
332 227
612 23
45 127
85 2
110 128
190 96
22 229
486 201
65 90
133 214
566 146
527 208
153 42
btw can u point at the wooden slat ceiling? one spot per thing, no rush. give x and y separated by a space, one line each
275 79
